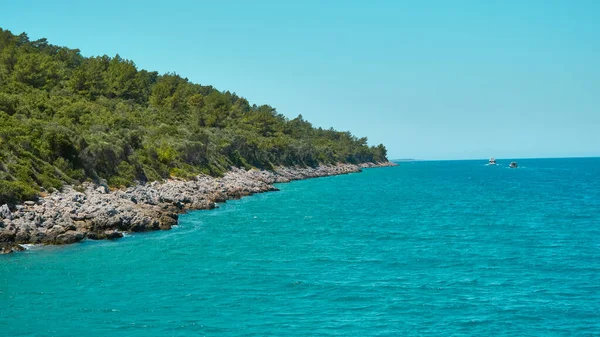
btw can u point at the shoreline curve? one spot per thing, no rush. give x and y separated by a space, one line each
97 213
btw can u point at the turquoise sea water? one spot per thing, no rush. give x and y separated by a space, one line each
426 248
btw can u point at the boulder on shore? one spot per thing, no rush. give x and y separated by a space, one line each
7 248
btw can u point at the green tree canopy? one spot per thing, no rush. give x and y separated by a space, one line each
65 118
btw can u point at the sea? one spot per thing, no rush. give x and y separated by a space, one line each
428 248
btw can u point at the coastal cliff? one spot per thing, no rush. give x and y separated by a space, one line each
95 212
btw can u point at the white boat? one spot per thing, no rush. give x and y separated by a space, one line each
492 161
513 164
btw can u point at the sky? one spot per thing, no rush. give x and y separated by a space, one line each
428 79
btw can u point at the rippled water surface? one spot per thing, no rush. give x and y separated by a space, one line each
426 248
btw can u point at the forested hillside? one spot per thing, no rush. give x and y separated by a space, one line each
65 118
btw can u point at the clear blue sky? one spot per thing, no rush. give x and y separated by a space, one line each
429 79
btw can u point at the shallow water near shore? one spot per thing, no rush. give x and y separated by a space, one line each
426 248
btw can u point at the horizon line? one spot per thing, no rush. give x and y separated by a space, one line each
507 158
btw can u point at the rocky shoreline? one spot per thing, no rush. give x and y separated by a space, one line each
95 212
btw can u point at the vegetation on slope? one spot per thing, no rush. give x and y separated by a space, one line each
65 118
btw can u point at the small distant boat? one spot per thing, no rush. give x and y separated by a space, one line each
513 164
492 161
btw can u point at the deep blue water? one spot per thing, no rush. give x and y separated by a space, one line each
426 248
